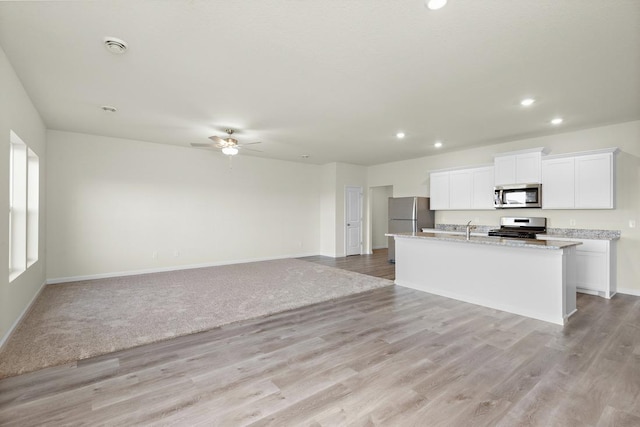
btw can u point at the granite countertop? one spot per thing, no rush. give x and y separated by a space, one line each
577 233
489 240
565 233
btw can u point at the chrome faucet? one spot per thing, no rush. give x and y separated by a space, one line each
469 230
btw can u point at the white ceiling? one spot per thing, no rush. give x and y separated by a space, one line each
334 79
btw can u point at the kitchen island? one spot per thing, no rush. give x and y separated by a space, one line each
528 277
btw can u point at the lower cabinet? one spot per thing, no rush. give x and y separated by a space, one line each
595 266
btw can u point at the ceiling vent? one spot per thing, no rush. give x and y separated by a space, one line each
115 45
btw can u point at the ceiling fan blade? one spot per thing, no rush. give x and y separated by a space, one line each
204 145
250 143
217 139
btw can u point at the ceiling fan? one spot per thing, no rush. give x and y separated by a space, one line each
228 145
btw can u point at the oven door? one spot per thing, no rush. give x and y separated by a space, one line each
518 196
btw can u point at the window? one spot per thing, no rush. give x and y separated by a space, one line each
24 196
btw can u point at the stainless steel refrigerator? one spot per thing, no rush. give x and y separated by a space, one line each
406 215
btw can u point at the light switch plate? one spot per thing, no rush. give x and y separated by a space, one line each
632 223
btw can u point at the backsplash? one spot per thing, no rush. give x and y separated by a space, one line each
463 227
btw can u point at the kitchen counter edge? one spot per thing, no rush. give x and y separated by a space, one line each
489 240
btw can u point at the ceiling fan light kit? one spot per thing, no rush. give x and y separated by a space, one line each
229 151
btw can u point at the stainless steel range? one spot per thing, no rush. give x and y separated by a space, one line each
520 227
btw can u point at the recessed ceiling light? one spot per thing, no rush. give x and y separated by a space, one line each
438 144
435 4
400 135
115 45
527 102
109 108
557 121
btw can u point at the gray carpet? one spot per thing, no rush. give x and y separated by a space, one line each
74 321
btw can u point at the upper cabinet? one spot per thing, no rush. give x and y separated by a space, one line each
482 187
462 189
520 167
594 181
579 180
439 191
569 181
558 183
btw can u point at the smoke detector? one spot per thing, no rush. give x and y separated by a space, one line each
115 45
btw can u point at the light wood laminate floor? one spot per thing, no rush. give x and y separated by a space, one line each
375 264
392 356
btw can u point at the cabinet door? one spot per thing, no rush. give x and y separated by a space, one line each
482 188
505 170
593 259
591 271
460 189
558 183
528 168
439 190
594 181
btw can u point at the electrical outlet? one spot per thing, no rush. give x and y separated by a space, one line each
632 223
572 222
154 255
176 253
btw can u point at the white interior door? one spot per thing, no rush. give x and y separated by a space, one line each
353 218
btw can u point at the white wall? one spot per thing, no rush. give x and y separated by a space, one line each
328 210
335 178
115 202
17 113
411 178
379 203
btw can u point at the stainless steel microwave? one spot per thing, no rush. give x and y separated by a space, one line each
517 196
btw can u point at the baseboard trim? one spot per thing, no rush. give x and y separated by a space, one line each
57 280
627 291
379 247
23 315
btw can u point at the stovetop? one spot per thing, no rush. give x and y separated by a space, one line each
520 227
518 234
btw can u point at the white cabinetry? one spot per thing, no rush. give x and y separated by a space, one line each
439 191
462 189
518 167
482 188
558 183
579 181
505 170
594 181
595 266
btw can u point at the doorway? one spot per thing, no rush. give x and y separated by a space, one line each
353 220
